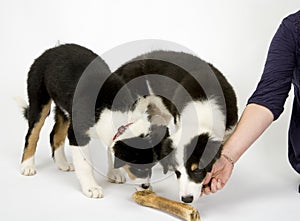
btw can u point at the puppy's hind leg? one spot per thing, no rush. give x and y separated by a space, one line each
57 140
114 175
37 114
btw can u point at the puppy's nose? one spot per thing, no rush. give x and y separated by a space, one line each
187 199
145 186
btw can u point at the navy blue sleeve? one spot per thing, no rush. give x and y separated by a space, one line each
275 83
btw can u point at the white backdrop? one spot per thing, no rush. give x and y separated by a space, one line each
233 35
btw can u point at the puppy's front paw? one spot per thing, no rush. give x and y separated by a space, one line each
93 191
115 176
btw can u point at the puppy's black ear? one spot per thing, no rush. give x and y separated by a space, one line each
217 156
118 163
210 155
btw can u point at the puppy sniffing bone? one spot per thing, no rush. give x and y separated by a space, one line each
150 199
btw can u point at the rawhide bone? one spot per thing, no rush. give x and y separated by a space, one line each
181 210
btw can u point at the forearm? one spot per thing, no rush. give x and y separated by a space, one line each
253 122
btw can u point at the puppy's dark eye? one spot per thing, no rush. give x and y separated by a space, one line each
197 171
178 174
197 175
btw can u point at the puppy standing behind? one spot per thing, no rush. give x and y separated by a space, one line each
88 105
53 77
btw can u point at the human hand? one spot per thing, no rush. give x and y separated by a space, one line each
218 177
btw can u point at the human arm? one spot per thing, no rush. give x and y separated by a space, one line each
254 121
265 105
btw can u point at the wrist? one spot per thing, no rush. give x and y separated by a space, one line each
232 151
228 158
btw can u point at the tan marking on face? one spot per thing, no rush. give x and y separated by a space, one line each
131 175
60 132
30 149
194 166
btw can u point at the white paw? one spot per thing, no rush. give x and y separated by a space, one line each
61 161
28 171
28 167
65 166
115 176
93 191
84 172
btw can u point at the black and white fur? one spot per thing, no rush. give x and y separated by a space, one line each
92 102
195 97
83 90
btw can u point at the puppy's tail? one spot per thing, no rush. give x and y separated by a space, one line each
23 105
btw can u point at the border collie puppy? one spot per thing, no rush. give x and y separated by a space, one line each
90 102
195 97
